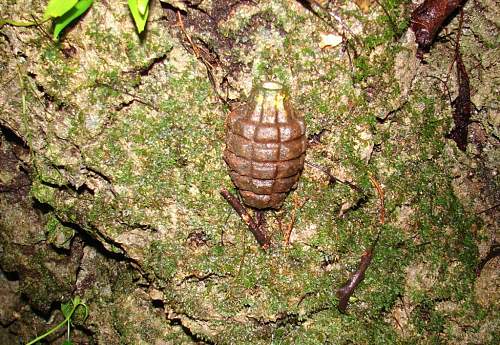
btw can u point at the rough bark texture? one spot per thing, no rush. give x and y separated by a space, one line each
111 166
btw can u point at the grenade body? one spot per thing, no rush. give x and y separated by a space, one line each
265 147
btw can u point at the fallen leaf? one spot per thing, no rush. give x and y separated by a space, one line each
329 40
364 5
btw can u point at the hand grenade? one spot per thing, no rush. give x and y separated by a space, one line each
265 147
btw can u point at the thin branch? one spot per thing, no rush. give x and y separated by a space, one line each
296 206
332 179
197 50
462 104
380 193
345 292
488 209
253 226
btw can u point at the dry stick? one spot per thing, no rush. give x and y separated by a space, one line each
288 232
196 51
457 44
254 227
125 92
296 206
196 48
333 179
345 292
183 29
380 193
488 209
462 104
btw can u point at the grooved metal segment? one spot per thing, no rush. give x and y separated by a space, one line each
265 147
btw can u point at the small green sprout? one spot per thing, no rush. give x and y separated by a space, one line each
68 310
140 11
64 12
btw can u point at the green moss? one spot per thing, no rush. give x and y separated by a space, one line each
58 234
43 193
162 260
52 53
103 40
46 280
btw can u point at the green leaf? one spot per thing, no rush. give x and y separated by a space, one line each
75 12
67 342
86 312
56 8
139 19
142 6
66 309
76 301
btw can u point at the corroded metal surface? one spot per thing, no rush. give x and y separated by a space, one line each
265 147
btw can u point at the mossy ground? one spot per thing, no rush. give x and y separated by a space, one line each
126 137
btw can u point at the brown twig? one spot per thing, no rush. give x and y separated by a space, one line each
457 45
197 50
380 193
288 232
296 206
345 292
445 85
183 29
337 18
488 209
462 104
254 227
125 92
332 179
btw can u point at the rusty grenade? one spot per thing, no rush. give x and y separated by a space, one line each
265 147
